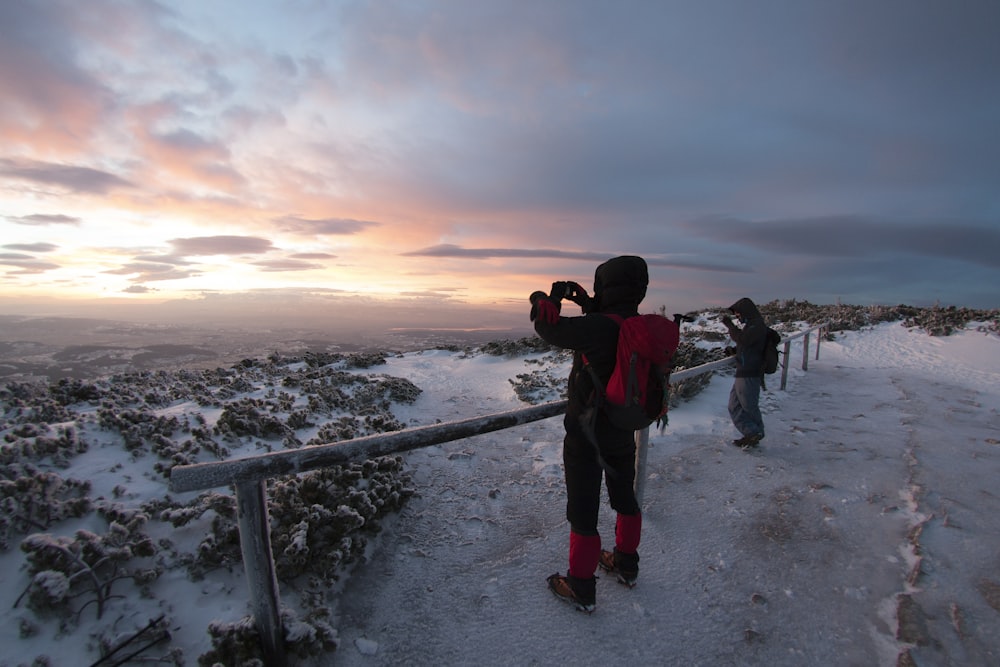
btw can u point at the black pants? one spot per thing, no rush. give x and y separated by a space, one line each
584 473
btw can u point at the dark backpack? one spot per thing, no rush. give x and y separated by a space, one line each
636 394
771 342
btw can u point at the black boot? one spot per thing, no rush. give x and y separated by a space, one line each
581 593
625 566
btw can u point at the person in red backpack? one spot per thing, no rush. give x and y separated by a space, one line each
619 287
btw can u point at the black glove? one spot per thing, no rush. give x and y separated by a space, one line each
542 306
728 321
578 295
559 290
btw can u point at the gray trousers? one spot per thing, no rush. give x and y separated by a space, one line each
744 406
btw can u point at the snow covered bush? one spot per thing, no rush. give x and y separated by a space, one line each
220 545
320 520
86 566
935 320
365 359
238 644
250 417
516 348
34 500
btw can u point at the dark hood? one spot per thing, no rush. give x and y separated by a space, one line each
620 282
746 309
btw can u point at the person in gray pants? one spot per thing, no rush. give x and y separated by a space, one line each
744 398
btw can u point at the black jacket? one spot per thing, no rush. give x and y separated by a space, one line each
749 340
619 287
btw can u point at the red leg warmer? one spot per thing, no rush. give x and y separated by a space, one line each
584 552
628 528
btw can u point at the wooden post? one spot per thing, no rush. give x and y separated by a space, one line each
805 352
819 338
641 452
784 364
258 563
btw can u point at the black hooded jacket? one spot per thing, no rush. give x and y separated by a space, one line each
750 340
619 288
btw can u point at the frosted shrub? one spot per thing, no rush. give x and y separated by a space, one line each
233 645
49 588
516 348
84 568
221 545
249 417
319 519
68 392
365 359
238 644
30 442
538 386
35 500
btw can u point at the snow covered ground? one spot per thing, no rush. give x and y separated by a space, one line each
866 527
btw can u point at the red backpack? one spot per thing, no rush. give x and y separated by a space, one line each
636 394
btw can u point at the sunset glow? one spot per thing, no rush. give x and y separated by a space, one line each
457 156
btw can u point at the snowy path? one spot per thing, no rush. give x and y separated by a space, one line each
859 509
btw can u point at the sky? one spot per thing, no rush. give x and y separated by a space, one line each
302 159
865 525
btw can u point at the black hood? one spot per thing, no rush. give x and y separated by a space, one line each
746 309
620 281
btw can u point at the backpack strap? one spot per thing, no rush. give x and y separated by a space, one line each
589 417
599 389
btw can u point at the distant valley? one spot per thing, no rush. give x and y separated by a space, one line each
53 348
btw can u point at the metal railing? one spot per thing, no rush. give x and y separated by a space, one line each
249 476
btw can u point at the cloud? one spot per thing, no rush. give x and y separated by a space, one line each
323 226
443 293
39 219
221 245
32 247
47 97
858 236
154 276
138 289
151 271
163 259
186 154
75 178
27 264
287 265
141 267
449 250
